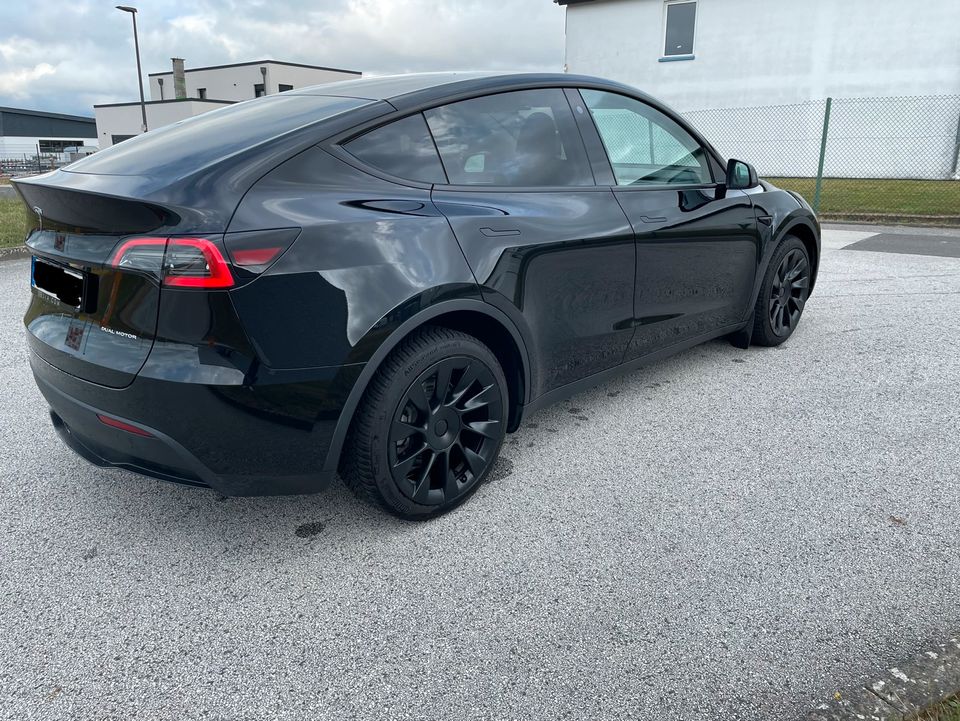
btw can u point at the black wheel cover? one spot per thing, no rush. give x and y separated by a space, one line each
789 292
446 430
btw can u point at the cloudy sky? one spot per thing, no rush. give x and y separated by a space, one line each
66 55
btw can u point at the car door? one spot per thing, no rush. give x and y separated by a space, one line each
546 244
697 243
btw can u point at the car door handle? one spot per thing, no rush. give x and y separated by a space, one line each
652 219
491 233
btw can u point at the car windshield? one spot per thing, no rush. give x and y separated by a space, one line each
200 140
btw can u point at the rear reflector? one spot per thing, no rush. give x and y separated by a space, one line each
120 425
255 256
180 262
253 251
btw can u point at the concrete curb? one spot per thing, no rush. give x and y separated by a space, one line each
947 221
939 230
14 253
901 692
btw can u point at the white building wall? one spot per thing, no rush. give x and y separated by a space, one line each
233 83
762 69
772 52
126 119
237 83
302 77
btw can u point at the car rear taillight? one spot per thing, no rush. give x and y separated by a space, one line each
179 262
195 263
144 254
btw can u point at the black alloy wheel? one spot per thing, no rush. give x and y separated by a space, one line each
783 295
430 426
791 286
446 431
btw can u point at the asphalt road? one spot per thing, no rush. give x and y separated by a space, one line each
725 535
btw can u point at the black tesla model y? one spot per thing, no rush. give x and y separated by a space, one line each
380 278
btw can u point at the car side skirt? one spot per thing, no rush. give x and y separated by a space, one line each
584 384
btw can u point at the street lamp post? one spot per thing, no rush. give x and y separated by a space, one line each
136 45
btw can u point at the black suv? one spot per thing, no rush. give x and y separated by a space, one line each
381 277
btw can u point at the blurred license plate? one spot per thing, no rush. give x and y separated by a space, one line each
65 284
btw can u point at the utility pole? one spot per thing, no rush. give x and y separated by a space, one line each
136 45
823 155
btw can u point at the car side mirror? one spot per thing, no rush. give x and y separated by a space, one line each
741 175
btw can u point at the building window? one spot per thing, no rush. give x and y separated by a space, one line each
114 139
202 93
679 26
284 88
259 91
57 146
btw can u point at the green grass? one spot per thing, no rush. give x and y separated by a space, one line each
938 200
13 226
948 710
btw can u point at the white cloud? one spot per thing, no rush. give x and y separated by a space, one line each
44 66
17 83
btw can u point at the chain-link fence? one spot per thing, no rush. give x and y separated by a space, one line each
880 159
893 159
28 163
29 158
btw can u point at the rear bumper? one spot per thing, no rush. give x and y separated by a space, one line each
167 460
228 439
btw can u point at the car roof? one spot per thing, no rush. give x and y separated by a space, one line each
412 89
388 87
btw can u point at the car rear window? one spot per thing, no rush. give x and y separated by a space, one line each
403 148
202 139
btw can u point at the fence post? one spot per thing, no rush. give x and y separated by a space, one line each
956 152
823 153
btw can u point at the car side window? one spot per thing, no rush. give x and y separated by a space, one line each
403 148
526 138
645 147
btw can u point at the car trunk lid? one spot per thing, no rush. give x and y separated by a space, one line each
87 317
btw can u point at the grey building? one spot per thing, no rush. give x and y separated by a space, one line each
25 132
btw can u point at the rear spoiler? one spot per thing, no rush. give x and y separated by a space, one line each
76 211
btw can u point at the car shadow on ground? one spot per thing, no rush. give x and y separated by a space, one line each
208 517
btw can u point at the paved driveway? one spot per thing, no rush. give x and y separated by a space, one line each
725 535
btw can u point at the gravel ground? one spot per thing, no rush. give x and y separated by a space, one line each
725 535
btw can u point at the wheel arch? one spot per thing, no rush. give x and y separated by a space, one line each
803 230
489 325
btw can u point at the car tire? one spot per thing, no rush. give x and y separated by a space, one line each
430 425
783 294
